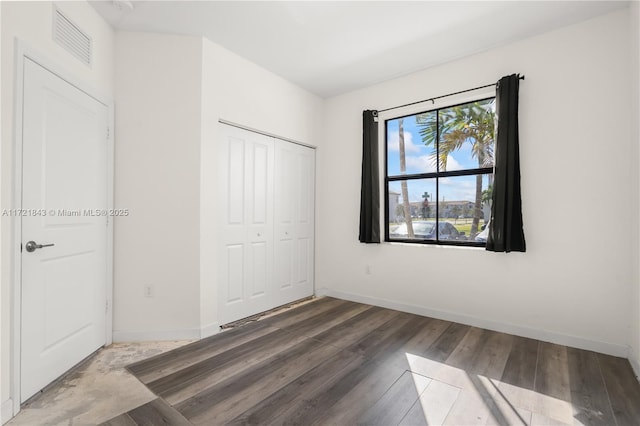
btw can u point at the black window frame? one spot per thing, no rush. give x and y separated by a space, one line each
432 175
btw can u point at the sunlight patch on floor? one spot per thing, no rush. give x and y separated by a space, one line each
455 396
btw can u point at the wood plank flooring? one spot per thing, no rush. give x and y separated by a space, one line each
335 362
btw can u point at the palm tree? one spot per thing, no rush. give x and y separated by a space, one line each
450 129
487 195
403 170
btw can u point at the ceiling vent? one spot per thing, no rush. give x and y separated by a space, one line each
71 37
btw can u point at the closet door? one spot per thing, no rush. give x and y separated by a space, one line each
294 221
246 249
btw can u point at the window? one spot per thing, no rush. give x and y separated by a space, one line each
439 167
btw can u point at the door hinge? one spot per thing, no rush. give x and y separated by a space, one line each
106 307
108 132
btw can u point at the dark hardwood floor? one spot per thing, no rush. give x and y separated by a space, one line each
341 363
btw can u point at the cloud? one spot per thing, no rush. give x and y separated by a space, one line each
424 163
409 147
457 189
421 163
452 163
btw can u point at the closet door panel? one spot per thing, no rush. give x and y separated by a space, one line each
305 219
261 192
259 269
234 273
234 190
294 208
246 255
233 250
259 215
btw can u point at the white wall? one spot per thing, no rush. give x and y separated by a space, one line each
634 337
254 97
157 173
574 282
31 22
170 93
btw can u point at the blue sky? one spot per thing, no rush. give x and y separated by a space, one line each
419 159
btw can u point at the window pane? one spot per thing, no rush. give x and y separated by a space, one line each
467 136
416 218
437 208
464 202
417 138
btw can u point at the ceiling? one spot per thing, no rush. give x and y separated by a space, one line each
332 47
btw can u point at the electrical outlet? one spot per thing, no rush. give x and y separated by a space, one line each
148 290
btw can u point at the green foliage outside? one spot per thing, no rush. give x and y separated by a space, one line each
450 130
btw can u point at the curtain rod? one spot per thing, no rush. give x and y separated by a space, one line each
521 77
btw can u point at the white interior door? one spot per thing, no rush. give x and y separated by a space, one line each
246 256
294 221
64 198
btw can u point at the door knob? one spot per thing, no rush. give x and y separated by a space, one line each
31 246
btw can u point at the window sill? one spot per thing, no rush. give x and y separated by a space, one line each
436 244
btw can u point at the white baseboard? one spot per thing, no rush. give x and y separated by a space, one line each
322 292
6 410
121 336
145 336
209 330
635 365
546 336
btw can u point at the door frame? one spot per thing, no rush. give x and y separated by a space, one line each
23 52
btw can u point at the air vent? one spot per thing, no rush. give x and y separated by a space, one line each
71 37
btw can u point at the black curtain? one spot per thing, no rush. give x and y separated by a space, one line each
505 231
370 192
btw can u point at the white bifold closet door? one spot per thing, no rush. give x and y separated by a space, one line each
294 221
266 244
